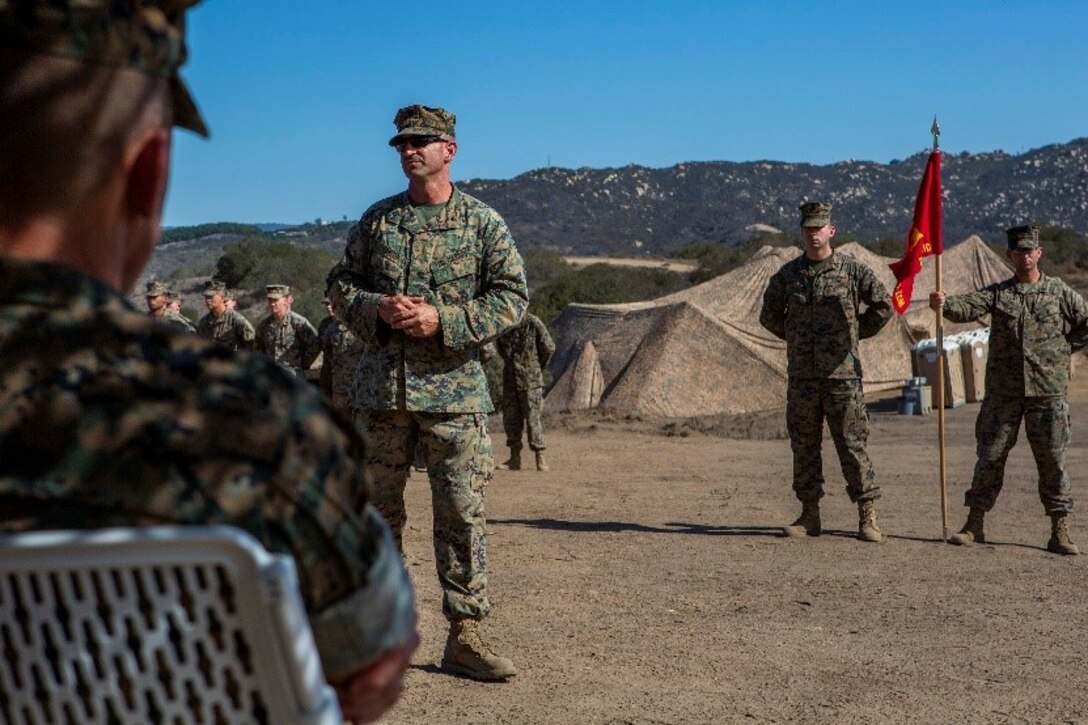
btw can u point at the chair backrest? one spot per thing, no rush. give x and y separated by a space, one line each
155 625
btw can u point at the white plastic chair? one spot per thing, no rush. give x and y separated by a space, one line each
178 625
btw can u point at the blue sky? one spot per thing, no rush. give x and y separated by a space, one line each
300 96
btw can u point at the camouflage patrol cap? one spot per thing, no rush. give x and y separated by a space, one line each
1025 236
147 35
815 214
276 291
422 121
172 296
154 289
214 287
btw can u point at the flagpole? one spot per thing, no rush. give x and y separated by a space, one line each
935 129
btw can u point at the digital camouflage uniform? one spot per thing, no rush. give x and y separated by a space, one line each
464 262
291 342
1033 329
340 351
178 320
230 329
108 418
165 314
525 350
822 310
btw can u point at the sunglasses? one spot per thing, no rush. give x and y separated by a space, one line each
416 142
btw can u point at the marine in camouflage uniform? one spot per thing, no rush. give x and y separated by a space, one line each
158 306
340 351
110 418
1036 322
428 277
286 336
222 324
823 304
525 351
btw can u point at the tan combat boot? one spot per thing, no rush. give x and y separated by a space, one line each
867 529
467 654
807 524
513 463
971 533
1060 543
541 464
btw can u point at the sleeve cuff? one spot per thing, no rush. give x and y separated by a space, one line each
375 619
455 333
362 315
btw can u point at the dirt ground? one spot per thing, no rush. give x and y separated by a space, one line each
643 580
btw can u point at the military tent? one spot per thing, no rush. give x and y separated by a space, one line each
702 351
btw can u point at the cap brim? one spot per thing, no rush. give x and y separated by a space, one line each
186 114
816 223
416 131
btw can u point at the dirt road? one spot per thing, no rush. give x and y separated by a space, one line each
643 580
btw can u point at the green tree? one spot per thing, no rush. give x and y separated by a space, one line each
254 263
181 234
602 284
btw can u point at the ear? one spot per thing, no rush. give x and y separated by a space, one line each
451 151
830 230
148 166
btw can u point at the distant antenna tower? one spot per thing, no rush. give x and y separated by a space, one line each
549 161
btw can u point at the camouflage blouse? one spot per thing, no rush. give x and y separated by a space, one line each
464 262
291 342
525 351
110 418
231 329
822 310
1033 330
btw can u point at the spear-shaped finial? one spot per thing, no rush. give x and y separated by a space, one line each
935 129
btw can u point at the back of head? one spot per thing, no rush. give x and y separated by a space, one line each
78 80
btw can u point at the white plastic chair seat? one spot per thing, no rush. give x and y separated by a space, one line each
177 625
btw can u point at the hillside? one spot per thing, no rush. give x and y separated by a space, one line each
640 210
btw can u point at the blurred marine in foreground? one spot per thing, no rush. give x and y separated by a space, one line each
114 419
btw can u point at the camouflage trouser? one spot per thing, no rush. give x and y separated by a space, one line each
460 465
842 403
1046 420
521 409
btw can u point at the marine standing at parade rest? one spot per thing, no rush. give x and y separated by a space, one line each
340 351
115 419
525 351
1036 322
823 304
157 296
221 323
284 335
428 277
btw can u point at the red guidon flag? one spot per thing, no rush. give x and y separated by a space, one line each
924 238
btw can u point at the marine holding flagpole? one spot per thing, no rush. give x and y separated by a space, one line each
1036 323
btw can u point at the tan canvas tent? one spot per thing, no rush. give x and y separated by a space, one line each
702 351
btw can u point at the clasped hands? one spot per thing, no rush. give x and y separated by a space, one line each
411 314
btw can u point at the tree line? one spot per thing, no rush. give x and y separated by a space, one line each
255 261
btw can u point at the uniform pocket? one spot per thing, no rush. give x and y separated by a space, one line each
454 280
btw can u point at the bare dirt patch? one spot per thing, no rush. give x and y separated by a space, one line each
643 580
